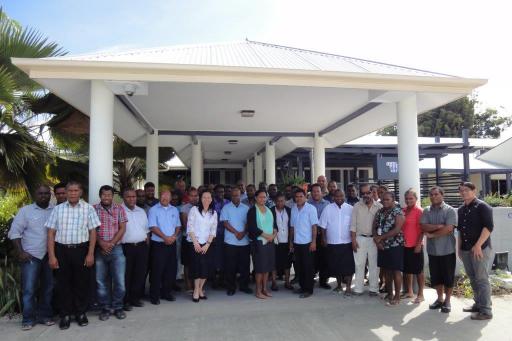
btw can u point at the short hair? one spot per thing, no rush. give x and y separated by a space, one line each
384 187
106 188
128 189
192 189
59 185
438 188
260 191
272 185
372 187
338 190
218 186
468 184
300 190
42 186
332 182
350 185
316 185
149 184
390 194
234 189
364 184
411 191
250 186
280 194
73 183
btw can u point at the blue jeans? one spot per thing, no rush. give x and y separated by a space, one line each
36 273
110 278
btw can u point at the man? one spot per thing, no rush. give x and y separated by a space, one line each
335 227
332 186
136 250
364 248
29 236
141 198
186 246
165 225
149 190
320 204
227 192
303 233
438 221
272 193
71 242
290 202
236 244
352 198
241 187
475 225
250 200
60 192
322 181
288 192
110 261
375 192
282 216
180 188
217 271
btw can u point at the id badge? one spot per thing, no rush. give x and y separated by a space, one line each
379 231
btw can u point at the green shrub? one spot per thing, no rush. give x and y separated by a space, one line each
495 200
425 202
10 288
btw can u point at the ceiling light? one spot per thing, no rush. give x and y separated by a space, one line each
232 141
247 113
227 152
224 159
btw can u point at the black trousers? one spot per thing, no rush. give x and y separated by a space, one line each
321 265
73 278
305 266
136 267
237 260
163 269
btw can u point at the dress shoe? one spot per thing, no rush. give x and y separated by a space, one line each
127 307
82 320
436 305
64 322
480 316
119 314
471 309
230 292
170 298
137 303
446 308
155 301
247 290
204 297
305 295
373 294
195 300
104 315
325 286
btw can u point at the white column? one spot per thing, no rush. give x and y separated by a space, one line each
258 169
196 167
250 172
101 144
270 163
319 157
408 156
152 160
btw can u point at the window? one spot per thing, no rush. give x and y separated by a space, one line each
211 177
232 176
335 175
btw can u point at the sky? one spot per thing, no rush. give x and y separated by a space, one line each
464 38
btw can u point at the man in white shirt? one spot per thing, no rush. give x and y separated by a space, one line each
335 227
136 250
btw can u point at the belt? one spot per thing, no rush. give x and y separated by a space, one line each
366 235
136 244
74 246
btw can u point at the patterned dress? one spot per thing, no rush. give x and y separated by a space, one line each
386 219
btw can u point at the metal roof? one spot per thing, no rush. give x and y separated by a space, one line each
252 54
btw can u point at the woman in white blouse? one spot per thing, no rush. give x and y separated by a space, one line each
201 229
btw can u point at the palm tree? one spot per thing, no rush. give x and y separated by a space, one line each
22 155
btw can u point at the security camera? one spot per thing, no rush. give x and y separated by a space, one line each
129 89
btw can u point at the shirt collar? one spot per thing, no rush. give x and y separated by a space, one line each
50 206
126 208
78 204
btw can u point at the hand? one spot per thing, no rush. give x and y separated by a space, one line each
24 256
380 246
89 260
270 238
291 248
355 246
324 243
417 249
205 248
312 247
53 262
477 252
240 235
197 247
377 239
106 247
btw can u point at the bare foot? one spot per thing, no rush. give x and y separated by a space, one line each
266 293
261 296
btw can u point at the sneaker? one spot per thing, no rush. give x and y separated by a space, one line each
104 315
27 325
120 314
436 305
446 308
480 316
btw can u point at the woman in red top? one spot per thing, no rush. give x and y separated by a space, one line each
413 251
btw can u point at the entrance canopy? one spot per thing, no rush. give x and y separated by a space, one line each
237 98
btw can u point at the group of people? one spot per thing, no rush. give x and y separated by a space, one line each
217 233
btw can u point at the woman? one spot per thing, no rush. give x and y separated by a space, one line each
260 222
413 250
387 229
201 229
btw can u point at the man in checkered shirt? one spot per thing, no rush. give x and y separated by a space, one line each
71 241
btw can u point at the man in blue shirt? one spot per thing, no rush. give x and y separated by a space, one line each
217 246
304 223
165 225
320 203
236 244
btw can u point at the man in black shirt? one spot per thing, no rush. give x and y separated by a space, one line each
475 225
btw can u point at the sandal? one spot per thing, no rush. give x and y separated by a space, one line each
418 300
392 303
406 295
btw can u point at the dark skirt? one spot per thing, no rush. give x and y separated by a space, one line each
185 251
413 262
391 258
340 260
199 264
283 257
264 257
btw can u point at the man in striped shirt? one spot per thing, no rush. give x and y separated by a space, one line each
71 241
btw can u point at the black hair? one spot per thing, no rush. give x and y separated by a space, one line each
468 184
59 185
260 191
73 183
316 185
300 190
438 188
106 188
149 184
200 204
